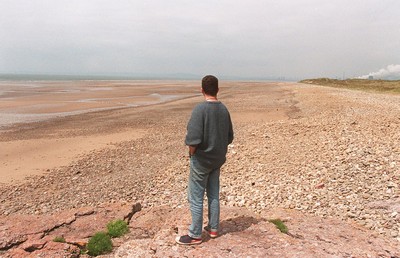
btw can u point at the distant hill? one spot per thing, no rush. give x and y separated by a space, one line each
387 86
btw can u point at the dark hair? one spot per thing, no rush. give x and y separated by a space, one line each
209 84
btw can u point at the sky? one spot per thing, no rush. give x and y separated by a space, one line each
229 38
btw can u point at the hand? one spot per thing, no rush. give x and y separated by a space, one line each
192 150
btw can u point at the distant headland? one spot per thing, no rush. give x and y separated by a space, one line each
386 86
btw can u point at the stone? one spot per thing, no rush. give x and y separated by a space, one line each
32 233
245 234
33 245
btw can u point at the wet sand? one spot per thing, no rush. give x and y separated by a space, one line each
31 101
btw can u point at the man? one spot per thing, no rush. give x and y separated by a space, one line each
209 132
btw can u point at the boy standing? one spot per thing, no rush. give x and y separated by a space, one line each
209 132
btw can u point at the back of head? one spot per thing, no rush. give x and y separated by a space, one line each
209 84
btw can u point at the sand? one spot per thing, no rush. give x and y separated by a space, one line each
55 135
25 155
23 158
30 101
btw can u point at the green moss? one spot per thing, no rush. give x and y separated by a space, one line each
280 225
117 228
98 244
59 239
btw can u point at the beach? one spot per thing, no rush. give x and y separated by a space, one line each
25 102
323 151
31 101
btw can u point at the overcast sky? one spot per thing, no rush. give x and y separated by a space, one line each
252 38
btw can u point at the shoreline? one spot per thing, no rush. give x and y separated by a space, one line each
26 102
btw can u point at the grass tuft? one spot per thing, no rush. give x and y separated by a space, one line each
280 225
117 228
98 244
59 239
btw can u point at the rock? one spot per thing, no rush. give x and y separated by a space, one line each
16 252
245 234
54 249
81 243
33 245
33 233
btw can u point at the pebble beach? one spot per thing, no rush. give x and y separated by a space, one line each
323 151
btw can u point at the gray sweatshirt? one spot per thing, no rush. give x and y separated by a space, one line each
210 128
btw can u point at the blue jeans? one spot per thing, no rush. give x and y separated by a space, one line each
202 179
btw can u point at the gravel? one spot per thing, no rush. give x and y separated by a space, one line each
337 155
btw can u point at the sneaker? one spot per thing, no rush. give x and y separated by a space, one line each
211 232
187 240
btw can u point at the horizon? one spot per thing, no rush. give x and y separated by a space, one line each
178 77
43 76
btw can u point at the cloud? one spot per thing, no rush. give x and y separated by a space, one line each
391 72
260 38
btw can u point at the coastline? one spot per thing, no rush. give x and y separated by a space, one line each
33 101
322 151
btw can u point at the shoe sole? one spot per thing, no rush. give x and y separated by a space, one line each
210 233
212 236
191 243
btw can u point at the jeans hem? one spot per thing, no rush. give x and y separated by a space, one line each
193 236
